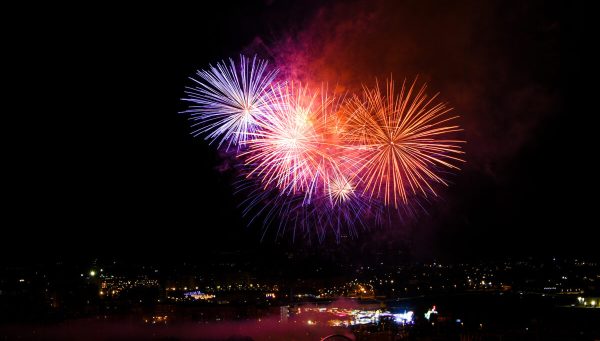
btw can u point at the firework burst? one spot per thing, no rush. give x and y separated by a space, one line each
401 141
340 190
227 101
290 150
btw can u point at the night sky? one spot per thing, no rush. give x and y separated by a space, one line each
102 164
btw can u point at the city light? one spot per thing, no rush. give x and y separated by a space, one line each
351 317
430 312
198 295
314 306
404 318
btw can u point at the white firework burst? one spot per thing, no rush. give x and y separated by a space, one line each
228 101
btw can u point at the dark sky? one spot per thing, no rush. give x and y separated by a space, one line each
103 164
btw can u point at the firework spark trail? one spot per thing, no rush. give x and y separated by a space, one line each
227 101
398 139
314 220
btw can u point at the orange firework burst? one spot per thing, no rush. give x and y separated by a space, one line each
400 141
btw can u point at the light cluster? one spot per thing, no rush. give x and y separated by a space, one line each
316 162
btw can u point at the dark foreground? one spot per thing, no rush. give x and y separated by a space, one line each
467 316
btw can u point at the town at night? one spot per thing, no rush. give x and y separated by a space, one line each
520 298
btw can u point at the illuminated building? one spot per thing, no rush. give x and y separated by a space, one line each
284 313
198 295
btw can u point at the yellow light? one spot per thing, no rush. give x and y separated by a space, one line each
593 303
92 273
